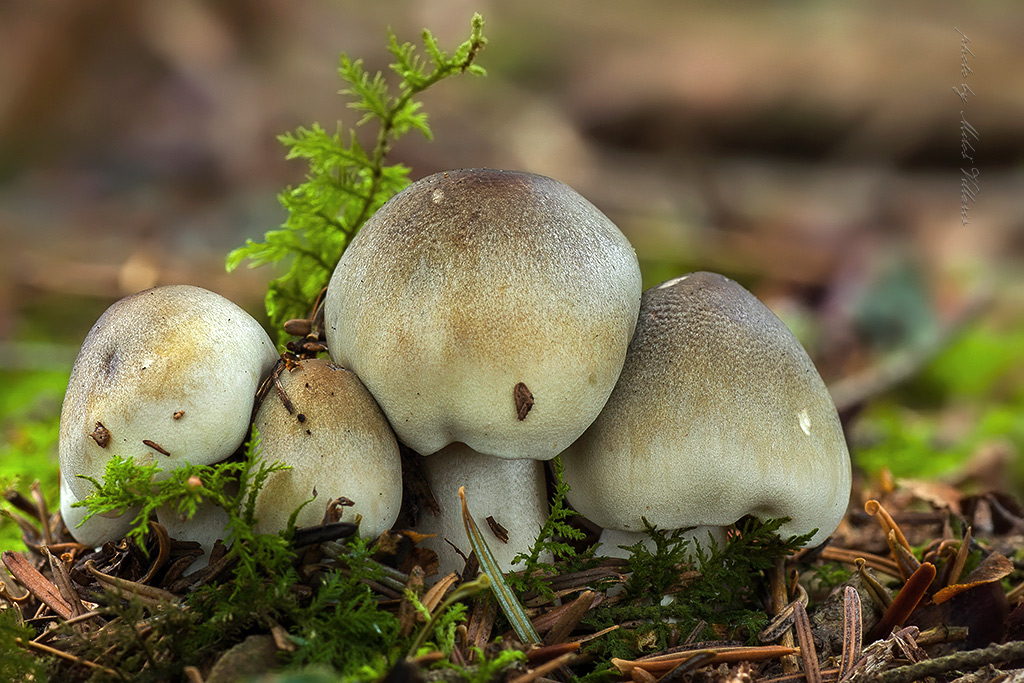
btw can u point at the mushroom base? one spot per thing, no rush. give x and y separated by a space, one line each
208 525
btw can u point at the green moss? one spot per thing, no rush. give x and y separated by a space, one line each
972 394
725 595
16 663
984 364
29 425
554 540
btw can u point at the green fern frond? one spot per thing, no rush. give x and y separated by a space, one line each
346 183
552 541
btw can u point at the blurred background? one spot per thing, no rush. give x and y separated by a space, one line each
812 151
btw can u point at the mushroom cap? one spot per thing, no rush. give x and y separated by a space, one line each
486 307
337 442
719 413
98 529
175 366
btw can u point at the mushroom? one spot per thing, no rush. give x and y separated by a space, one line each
325 425
207 524
165 376
719 413
486 308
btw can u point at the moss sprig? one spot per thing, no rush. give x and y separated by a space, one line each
554 541
16 662
127 485
339 624
724 594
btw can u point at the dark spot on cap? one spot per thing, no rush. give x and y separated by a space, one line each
523 398
101 435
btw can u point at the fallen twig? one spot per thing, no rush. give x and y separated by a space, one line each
46 649
664 663
804 638
148 594
36 584
853 632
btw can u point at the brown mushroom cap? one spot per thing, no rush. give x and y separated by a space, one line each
338 444
486 307
718 413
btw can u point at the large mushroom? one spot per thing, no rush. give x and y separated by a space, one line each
166 376
326 427
490 309
719 413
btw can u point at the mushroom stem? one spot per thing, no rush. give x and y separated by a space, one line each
208 525
508 497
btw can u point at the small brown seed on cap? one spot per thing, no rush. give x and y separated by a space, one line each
499 531
298 327
101 435
155 446
523 398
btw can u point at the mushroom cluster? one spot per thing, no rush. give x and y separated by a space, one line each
488 321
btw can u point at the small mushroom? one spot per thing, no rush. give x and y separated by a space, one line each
719 413
338 444
486 308
165 376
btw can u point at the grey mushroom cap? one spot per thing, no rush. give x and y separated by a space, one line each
166 375
491 308
719 413
338 444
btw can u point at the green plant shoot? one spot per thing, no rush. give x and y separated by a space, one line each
347 183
